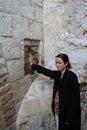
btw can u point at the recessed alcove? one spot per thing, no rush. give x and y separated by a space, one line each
30 47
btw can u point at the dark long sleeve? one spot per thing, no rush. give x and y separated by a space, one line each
74 104
54 74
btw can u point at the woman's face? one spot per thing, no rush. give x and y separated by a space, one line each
60 64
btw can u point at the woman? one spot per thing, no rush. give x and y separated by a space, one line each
66 92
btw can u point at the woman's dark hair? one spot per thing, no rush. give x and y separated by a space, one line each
65 58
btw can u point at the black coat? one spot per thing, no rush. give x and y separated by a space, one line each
69 97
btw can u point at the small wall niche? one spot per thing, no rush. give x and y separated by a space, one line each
30 47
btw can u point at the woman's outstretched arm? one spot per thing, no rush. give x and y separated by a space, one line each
40 69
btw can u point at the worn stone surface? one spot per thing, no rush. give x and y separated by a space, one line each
5 24
18 20
14 69
37 102
65 31
59 24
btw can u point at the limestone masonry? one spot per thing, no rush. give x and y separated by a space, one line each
49 27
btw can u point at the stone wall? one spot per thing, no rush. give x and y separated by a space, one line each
35 112
19 19
65 30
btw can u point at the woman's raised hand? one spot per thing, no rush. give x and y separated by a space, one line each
33 58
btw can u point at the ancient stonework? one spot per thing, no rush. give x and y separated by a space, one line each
58 26
18 20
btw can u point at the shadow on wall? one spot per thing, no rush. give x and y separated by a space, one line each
35 110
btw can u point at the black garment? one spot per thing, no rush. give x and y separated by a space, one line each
69 97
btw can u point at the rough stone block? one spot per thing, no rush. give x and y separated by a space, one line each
9 106
6 97
38 14
4 89
11 48
3 71
35 30
27 9
5 24
15 69
9 114
30 108
20 27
